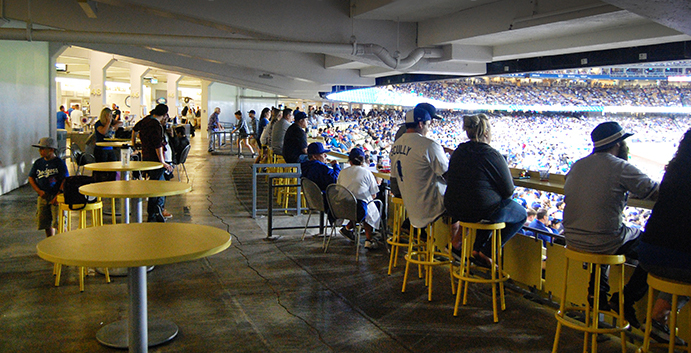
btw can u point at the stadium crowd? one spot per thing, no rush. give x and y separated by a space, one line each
510 91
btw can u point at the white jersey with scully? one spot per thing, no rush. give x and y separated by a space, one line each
418 163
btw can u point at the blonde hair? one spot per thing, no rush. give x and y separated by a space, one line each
476 126
104 114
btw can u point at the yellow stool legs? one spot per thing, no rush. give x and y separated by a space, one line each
435 251
592 315
676 289
497 274
395 240
65 223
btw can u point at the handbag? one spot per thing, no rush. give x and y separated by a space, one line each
72 194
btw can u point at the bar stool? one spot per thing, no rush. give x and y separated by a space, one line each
65 223
394 241
592 317
675 288
429 254
497 274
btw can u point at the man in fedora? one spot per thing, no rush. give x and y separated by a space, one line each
596 190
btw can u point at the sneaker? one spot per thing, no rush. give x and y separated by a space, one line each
371 244
348 233
241 156
629 310
166 214
210 150
660 333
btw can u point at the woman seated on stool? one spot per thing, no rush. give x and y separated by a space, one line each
361 182
665 249
480 187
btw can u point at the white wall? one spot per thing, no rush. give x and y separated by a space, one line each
225 97
25 114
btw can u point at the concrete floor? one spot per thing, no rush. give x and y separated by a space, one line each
257 296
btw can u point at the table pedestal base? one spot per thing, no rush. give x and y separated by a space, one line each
115 334
118 271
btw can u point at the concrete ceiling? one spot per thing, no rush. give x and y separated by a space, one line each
301 47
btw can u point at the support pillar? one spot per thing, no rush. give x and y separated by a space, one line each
99 63
137 73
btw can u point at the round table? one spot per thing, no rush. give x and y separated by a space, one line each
117 166
116 144
135 189
134 246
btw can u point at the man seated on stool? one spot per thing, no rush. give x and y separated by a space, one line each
596 190
418 164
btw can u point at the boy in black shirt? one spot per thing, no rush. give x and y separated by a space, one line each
46 177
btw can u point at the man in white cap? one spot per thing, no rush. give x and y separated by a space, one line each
595 193
418 163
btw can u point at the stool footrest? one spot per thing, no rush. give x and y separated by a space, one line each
581 326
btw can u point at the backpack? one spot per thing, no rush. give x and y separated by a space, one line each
72 194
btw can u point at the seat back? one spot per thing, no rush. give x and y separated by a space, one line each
342 202
313 195
183 155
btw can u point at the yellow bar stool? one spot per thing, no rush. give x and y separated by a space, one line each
65 224
432 252
592 315
497 274
675 288
395 241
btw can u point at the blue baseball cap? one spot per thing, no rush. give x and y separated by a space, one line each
316 148
356 152
422 112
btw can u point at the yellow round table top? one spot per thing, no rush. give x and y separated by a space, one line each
133 245
112 143
117 166
115 139
135 188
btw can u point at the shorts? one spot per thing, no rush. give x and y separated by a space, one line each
46 214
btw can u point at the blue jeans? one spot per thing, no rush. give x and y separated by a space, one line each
509 212
155 204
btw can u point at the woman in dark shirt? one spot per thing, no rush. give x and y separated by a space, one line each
103 129
665 247
479 187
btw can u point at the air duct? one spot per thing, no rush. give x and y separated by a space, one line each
76 37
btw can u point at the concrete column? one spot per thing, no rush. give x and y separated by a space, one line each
137 73
99 63
206 85
173 96
54 51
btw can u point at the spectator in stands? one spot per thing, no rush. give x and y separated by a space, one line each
278 132
242 127
262 124
321 172
543 222
276 115
480 188
665 249
418 163
295 140
214 125
317 168
596 190
361 182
